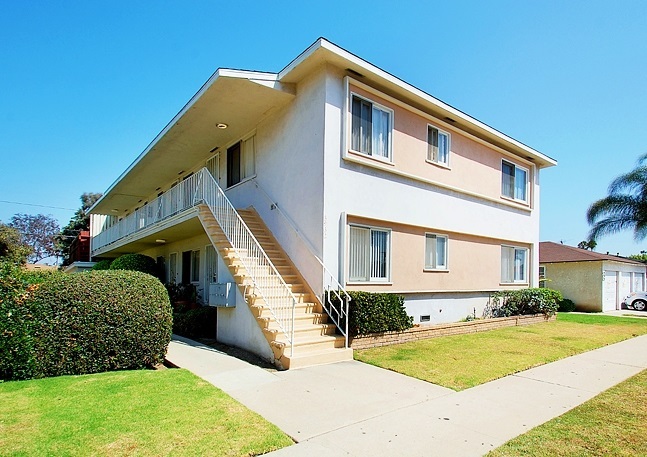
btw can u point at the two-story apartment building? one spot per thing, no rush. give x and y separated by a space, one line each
331 174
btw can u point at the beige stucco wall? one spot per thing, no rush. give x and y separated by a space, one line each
473 166
474 263
577 281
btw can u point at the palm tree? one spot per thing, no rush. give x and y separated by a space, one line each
625 207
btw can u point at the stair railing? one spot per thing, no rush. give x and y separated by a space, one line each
266 280
334 298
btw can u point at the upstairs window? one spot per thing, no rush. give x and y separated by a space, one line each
435 252
371 128
514 181
240 161
514 264
437 146
369 254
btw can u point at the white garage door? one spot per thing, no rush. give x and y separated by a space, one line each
624 287
610 290
639 280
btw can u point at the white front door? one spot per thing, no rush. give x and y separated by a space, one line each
610 291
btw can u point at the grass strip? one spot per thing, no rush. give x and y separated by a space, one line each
611 423
144 413
463 361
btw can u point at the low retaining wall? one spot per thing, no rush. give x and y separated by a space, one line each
424 332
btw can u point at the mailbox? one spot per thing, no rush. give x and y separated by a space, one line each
222 294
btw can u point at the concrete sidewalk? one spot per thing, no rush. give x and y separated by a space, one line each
351 408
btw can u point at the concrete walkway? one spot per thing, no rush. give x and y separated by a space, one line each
351 408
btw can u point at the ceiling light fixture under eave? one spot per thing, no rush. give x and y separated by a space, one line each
160 241
221 125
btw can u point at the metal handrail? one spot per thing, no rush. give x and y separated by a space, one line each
266 280
339 315
170 203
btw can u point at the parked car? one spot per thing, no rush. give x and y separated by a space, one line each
636 300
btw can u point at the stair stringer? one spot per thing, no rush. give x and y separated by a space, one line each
315 341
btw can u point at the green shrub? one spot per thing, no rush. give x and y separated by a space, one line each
94 322
196 323
371 312
102 265
15 340
566 306
524 301
135 262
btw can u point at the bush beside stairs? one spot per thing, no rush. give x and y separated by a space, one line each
315 341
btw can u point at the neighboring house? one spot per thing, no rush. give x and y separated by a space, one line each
80 254
337 163
593 281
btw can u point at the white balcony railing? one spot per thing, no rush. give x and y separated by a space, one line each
172 202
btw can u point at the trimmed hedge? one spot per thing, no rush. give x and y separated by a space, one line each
196 323
15 362
524 301
373 312
135 262
102 265
89 323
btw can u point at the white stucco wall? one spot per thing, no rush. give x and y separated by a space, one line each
289 163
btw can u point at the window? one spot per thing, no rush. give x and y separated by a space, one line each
369 255
240 161
514 264
514 181
437 146
195 266
542 276
435 252
371 128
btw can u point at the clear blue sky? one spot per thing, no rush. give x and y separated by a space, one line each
85 86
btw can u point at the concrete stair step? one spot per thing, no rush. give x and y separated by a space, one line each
316 358
301 330
309 343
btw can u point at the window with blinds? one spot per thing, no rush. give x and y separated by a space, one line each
514 181
369 254
371 127
211 264
435 252
514 264
437 145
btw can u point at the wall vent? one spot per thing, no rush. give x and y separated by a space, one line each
425 318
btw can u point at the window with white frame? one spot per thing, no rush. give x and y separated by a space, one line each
195 266
514 181
369 254
542 276
435 252
371 128
240 161
437 145
514 264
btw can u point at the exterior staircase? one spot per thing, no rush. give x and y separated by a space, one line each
315 341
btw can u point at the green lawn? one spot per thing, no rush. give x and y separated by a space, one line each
144 413
464 361
611 424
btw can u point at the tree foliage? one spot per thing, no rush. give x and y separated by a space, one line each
39 232
80 221
625 208
12 248
642 257
588 245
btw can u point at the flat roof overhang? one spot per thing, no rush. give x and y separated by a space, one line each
239 99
